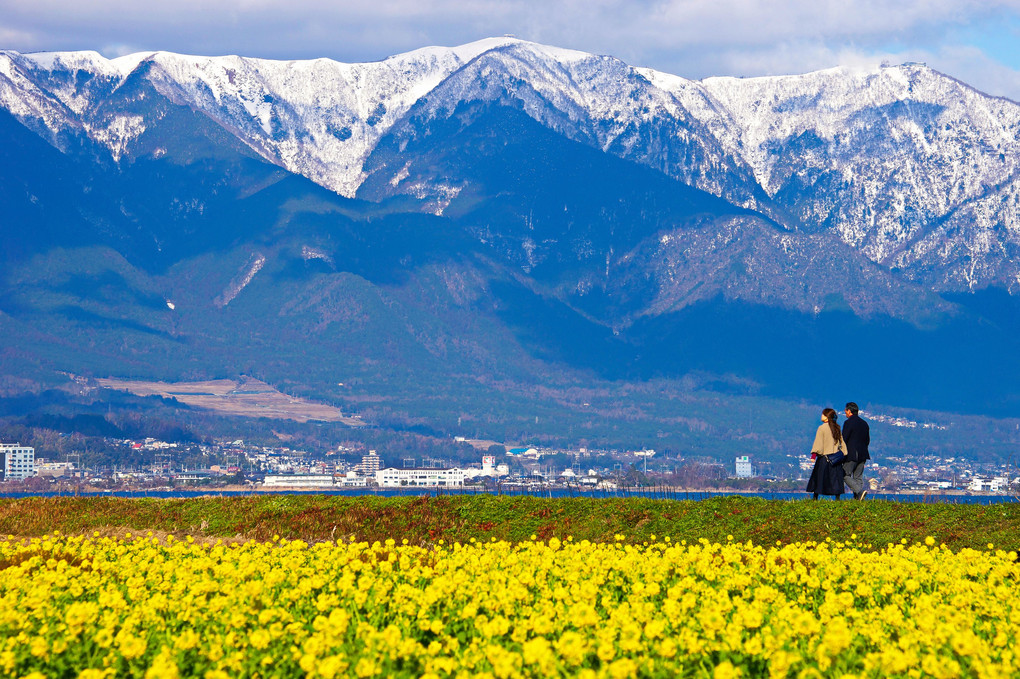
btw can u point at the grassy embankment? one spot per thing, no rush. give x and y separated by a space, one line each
427 520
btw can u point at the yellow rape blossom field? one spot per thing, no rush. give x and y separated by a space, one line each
97 606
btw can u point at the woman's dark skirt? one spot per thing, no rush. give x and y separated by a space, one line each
825 478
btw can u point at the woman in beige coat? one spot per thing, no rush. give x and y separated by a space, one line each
827 479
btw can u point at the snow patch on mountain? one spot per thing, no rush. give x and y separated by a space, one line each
309 252
241 280
29 102
117 132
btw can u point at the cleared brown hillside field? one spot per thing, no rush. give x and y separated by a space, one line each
247 398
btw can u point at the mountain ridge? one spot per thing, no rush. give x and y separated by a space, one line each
453 218
894 182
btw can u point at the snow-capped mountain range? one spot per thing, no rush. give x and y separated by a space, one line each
917 171
502 212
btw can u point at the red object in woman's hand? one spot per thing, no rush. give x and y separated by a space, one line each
814 456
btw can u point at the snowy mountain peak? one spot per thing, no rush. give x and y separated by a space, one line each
53 60
464 53
912 166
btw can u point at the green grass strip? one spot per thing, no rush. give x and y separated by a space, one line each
460 518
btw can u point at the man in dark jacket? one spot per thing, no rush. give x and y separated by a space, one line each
857 436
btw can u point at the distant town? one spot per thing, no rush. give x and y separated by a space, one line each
234 464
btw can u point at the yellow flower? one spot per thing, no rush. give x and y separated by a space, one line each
726 670
498 609
187 639
333 666
623 668
163 666
366 668
572 648
132 646
39 647
260 639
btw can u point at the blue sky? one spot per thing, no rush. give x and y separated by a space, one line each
975 41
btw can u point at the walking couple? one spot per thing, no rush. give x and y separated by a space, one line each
840 455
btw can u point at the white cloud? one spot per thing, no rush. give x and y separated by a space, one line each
978 70
119 50
10 36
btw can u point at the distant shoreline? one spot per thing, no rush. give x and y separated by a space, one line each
660 493
368 490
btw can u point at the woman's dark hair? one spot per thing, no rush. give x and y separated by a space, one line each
831 416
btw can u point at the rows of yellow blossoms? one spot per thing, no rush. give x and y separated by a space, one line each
107 607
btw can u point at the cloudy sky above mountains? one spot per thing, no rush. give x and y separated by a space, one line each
977 41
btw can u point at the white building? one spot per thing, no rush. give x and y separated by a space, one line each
999 484
396 478
18 461
369 465
44 468
489 469
352 480
937 485
298 481
744 467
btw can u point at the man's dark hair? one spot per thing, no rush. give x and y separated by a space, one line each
852 407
